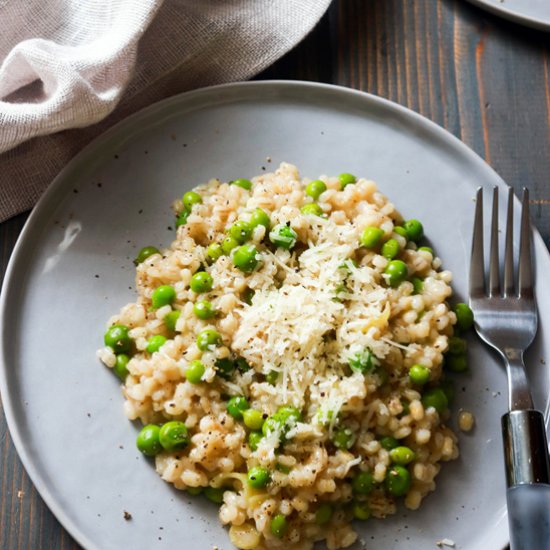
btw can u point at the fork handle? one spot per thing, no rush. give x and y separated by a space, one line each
529 516
528 478
525 447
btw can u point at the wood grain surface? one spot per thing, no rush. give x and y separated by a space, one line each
484 79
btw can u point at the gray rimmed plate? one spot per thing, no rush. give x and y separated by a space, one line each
532 13
72 268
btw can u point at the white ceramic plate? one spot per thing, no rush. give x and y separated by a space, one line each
532 13
72 269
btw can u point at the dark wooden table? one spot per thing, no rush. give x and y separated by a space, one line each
483 79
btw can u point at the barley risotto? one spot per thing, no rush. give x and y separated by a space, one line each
285 357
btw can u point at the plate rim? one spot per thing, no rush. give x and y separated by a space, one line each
57 185
512 15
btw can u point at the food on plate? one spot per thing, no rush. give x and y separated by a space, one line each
285 356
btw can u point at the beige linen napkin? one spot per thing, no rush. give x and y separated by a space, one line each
87 64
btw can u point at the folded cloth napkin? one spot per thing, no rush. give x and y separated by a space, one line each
67 64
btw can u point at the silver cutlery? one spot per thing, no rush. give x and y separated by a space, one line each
506 318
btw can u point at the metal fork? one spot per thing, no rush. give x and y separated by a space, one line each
506 319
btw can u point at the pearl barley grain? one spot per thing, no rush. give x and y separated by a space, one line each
465 421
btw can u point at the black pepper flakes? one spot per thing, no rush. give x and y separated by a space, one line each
127 515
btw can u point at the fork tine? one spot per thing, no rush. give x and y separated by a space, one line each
525 279
509 250
477 269
494 277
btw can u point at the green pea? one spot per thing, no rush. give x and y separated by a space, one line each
388 442
148 441
287 412
195 372
282 420
361 511
282 468
214 494
194 491
259 217
315 189
208 339
173 436
246 258
240 231
254 439
271 377
418 285
464 317
427 249
402 455
171 319
213 252
144 253
398 481
323 514
241 182
121 366
225 367
270 425
228 244
436 398
390 249
400 231
397 272
204 309
201 282
448 389
363 483
236 405
346 179
278 526
242 364
419 374
190 198
362 361
253 419
456 363
283 236
457 346
118 339
312 209
155 343
343 438
163 295
181 218
258 477
414 230
406 408
371 236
